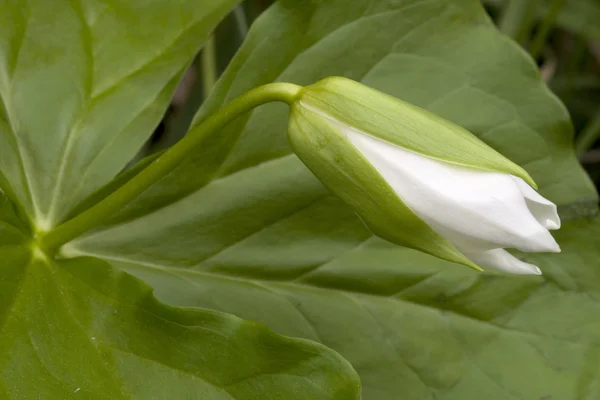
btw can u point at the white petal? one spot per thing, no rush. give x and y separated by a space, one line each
542 209
472 209
504 261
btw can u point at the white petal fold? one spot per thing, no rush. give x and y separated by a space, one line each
479 212
542 209
504 261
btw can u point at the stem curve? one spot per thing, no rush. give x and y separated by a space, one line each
161 166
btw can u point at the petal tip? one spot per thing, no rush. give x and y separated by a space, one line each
555 248
524 268
552 224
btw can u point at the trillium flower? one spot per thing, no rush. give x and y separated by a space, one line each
418 180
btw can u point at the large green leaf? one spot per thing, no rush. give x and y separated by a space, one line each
82 329
82 85
416 327
243 226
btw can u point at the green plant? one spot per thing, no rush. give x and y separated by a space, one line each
241 231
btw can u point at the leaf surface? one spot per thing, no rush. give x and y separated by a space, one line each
82 86
419 328
83 329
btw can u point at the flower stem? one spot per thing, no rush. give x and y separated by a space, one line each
101 211
209 66
241 21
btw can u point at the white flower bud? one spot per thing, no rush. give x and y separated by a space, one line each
418 180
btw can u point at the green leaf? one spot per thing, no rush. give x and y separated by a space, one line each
244 227
82 329
82 85
416 327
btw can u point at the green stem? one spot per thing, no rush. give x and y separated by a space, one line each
100 212
537 45
516 18
209 66
588 135
240 21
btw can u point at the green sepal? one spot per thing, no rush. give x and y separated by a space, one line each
348 174
405 125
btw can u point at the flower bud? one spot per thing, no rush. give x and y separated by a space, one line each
418 180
